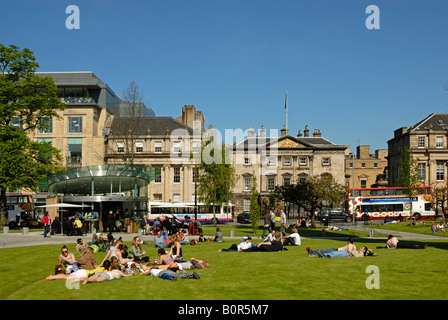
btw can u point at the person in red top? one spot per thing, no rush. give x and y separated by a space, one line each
47 223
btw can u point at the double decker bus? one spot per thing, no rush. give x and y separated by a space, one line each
390 203
181 210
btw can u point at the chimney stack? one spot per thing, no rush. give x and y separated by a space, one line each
284 131
306 131
262 131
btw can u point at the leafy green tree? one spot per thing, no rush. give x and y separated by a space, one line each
440 197
217 176
254 212
314 193
408 175
325 190
26 101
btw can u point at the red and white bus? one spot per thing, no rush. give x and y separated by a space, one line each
390 203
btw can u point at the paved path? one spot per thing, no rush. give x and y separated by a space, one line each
17 239
401 234
36 238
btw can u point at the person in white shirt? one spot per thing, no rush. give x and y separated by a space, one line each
272 215
171 275
293 239
244 244
283 222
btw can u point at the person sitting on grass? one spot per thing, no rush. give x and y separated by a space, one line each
440 227
183 237
176 248
87 260
218 235
65 260
118 251
270 237
293 239
159 240
81 245
114 247
135 252
121 255
164 258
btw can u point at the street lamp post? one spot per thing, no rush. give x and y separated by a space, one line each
353 187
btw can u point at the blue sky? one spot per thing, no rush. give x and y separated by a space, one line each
235 59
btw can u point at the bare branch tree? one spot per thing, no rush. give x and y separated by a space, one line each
131 110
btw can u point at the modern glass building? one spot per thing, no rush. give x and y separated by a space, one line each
117 187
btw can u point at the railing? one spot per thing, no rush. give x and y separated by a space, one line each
77 100
74 162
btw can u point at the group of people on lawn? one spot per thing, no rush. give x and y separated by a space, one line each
170 265
120 262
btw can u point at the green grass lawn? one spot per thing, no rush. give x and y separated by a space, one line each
405 227
289 275
243 230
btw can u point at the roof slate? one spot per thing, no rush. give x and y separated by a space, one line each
157 126
438 121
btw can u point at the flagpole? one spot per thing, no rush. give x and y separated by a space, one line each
286 109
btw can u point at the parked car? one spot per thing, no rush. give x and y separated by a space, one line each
243 218
30 223
334 214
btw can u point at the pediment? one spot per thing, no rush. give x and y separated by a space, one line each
288 142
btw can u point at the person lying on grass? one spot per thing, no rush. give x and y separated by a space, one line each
165 259
364 251
170 272
244 244
80 274
348 247
274 245
107 275
193 264
394 243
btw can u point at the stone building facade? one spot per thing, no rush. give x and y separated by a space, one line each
428 141
162 143
79 134
284 160
366 170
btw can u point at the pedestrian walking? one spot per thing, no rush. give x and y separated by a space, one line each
272 215
283 222
46 220
267 224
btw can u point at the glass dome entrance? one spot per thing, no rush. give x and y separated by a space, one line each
103 180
